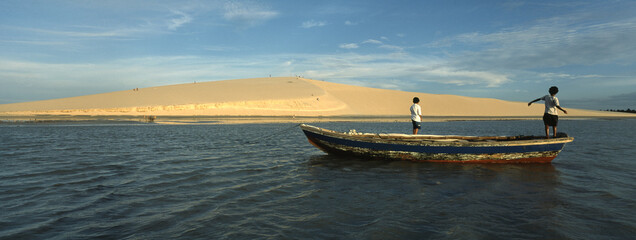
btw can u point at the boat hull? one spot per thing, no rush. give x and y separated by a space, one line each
412 149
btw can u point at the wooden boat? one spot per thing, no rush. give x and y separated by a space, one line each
438 148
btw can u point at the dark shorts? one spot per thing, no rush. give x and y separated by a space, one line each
550 120
416 125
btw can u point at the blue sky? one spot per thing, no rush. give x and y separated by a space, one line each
510 50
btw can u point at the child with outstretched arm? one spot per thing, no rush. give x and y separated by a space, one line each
551 115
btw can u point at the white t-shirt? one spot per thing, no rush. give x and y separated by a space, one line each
551 104
416 111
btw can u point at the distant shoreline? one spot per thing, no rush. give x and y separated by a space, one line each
125 119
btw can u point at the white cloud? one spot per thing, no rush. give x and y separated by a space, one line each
156 22
179 21
374 69
313 23
463 77
554 42
372 41
349 45
350 23
93 33
550 76
37 43
392 47
221 48
247 14
383 45
368 70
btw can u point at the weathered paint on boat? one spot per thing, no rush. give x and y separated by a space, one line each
435 148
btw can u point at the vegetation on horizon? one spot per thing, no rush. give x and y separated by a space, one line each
621 110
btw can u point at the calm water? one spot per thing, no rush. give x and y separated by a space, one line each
265 181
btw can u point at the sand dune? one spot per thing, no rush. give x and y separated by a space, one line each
278 96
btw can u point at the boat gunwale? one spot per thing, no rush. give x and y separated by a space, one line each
441 140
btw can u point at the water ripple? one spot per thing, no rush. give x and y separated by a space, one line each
210 182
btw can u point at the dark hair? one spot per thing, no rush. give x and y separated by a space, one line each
416 100
553 90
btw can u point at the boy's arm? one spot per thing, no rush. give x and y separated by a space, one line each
559 107
530 103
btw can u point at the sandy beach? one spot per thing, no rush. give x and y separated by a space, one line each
280 98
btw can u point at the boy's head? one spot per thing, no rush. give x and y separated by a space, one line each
416 100
553 90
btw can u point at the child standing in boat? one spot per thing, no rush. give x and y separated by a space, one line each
416 115
551 115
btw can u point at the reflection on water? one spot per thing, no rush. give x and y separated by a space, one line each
408 199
